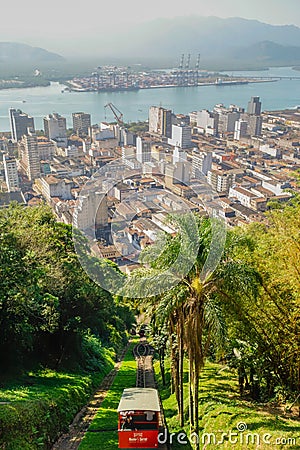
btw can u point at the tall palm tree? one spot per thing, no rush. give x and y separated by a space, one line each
191 309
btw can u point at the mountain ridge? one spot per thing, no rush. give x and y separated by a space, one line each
222 43
213 37
16 52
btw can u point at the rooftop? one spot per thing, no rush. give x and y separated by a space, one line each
139 399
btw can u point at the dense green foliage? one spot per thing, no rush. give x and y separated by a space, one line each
265 328
245 313
137 127
50 311
59 331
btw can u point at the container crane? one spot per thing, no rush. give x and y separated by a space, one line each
116 112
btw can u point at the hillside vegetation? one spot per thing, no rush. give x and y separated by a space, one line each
59 331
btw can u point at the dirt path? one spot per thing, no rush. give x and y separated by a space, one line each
81 422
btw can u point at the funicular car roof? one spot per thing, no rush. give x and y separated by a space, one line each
139 399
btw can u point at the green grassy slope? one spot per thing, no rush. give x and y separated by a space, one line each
36 407
102 433
221 410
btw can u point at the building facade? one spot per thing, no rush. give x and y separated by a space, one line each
201 163
208 121
81 122
241 129
181 136
11 173
91 211
19 123
29 156
55 127
254 106
160 121
50 186
143 150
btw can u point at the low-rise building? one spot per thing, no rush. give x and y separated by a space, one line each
50 186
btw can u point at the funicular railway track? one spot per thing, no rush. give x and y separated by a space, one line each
143 353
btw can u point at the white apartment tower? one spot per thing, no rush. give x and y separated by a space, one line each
11 173
241 129
181 136
179 155
29 155
143 150
91 211
201 163
208 121
55 127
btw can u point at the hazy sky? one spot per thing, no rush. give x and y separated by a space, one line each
58 24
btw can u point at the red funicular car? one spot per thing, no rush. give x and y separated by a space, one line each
138 423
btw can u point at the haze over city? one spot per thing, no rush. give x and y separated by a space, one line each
68 30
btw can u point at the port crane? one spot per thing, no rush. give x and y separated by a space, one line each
116 112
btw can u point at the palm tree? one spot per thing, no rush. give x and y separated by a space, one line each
191 310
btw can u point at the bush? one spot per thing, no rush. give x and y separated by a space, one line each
95 356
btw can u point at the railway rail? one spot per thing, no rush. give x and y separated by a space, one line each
143 353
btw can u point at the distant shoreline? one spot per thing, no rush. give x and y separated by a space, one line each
34 83
28 85
173 86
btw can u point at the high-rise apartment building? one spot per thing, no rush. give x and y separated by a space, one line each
29 156
255 125
91 211
19 123
81 122
241 129
227 117
55 127
143 150
46 148
201 163
179 155
208 121
11 173
178 173
220 181
160 121
181 136
254 106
